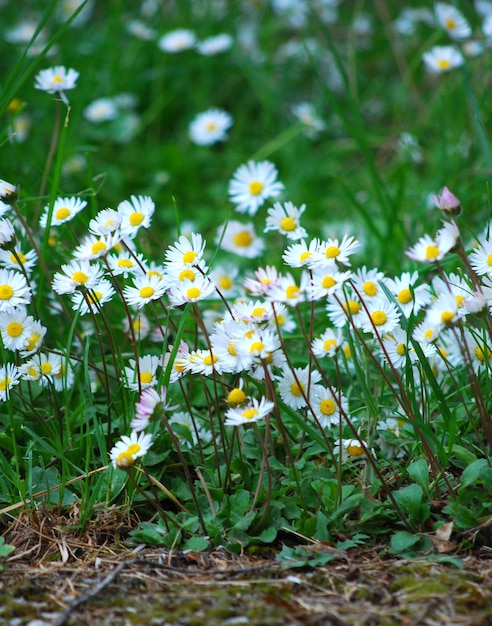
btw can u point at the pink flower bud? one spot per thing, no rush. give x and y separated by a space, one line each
448 203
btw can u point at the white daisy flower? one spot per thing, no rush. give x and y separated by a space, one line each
49 365
444 311
185 253
63 379
91 300
258 346
255 312
224 341
285 219
288 291
126 264
328 405
145 289
135 214
328 343
366 282
210 127
126 451
15 328
410 298
195 290
334 251
225 280
347 310
398 348
325 282
305 113
253 411
9 376
34 339
177 41
452 21
140 324
456 285
96 246
196 433
7 234
138 377
203 362
240 239
265 279
252 184
296 385
214 45
426 332
431 250
107 221
349 449
14 290
64 210
301 254
74 275
481 258
101 110
8 192
441 59
15 259
380 318
56 80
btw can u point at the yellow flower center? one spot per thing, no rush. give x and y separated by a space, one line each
189 257
154 273
401 349
328 282
46 368
258 312
94 296
98 246
447 317
193 293
327 407
57 79
305 256
32 342
209 359
370 288
126 263
443 64
6 292
460 300
80 278
297 389
187 275
236 396
450 23
147 292
379 317
428 334
249 413
332 252
62 213
355 450
33 371
351 307
483 353
255 187
404 296
211 126
243 239
432 252
14 329
329 344
225 282
292 292
146 377
17 258
347 351
136 218
288 224
5 383
256 347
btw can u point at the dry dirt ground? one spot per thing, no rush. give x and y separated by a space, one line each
55 577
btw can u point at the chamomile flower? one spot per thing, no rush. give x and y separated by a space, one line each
447 202
328 405
50 366
430 250
135 213
210 127
410 297
443 311
16 259
305 113
92 300
15 328
343 311
349 449
185 253
177 40
288 291
225 279
440 59
295 386
75 275
253 411
200 288
7 235
145 289
101 110
325 282
481 258
63 379
240 239
107 221
301 254
64 210
138 377
126 264
96 246
380 317
126 451
56 80
34 339
285 218
452 21
265 279
334 251
9 376
194 432
151 406
14 290
366 282
214 45
328 343
252 184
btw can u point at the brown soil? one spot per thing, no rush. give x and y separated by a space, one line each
55 577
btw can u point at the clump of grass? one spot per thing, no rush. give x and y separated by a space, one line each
219 347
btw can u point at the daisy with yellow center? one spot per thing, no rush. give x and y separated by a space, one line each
134 214
381 317
143 374
240 239
328 405
64 210
285 218
252 184
296 385
9 376
126 451
253 411
210 127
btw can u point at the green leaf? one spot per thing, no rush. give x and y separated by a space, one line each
268 535
419 472
196 544
463 454
5 548
471 473
240 502
402 541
